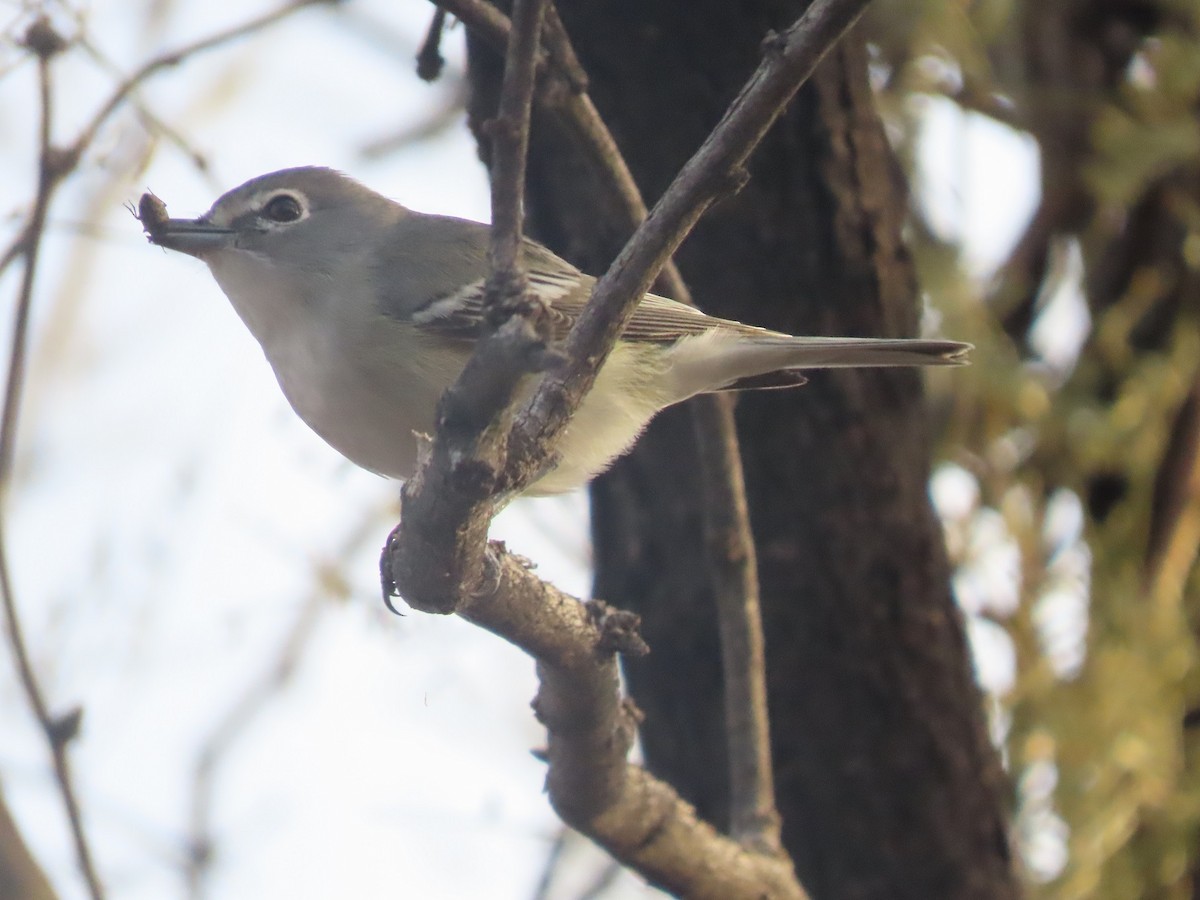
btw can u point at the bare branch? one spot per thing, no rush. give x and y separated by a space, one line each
55 164
28 249
482 18
246 709
589 777
545 882
449 502
731 553
58 730
566 64
446 508
561 89
560 860
510 135
447 115
150 118
637 818
429 58
731 550
14 250
734 565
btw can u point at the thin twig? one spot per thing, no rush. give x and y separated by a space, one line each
16 249
447 115
58 730
253 702
574 108
550 866
562 54
429 58
70 156
510 139
29 252
55 165
482 18
150 118
604 879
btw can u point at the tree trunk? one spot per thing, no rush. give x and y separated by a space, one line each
886 780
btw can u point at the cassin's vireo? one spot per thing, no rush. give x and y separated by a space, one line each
367 312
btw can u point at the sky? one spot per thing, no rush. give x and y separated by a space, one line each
173 528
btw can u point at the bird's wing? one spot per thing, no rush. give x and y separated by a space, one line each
460 314
436 269
565 292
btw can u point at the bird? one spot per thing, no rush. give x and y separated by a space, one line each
367 311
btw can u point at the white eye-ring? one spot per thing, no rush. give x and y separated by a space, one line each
283 208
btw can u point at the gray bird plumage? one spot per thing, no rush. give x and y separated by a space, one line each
367 311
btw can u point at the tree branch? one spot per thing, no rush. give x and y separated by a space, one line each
447 507
637 818
731 553
436 556
510 135
58 730
714 168
448 503
429 58
732 557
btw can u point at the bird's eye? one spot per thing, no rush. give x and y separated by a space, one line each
283 208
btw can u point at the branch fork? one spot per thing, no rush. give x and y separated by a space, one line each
438 554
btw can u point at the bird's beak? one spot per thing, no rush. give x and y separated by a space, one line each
195 237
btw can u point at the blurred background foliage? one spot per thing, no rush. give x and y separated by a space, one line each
1075 436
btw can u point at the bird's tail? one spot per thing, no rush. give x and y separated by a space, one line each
771 361
854 353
